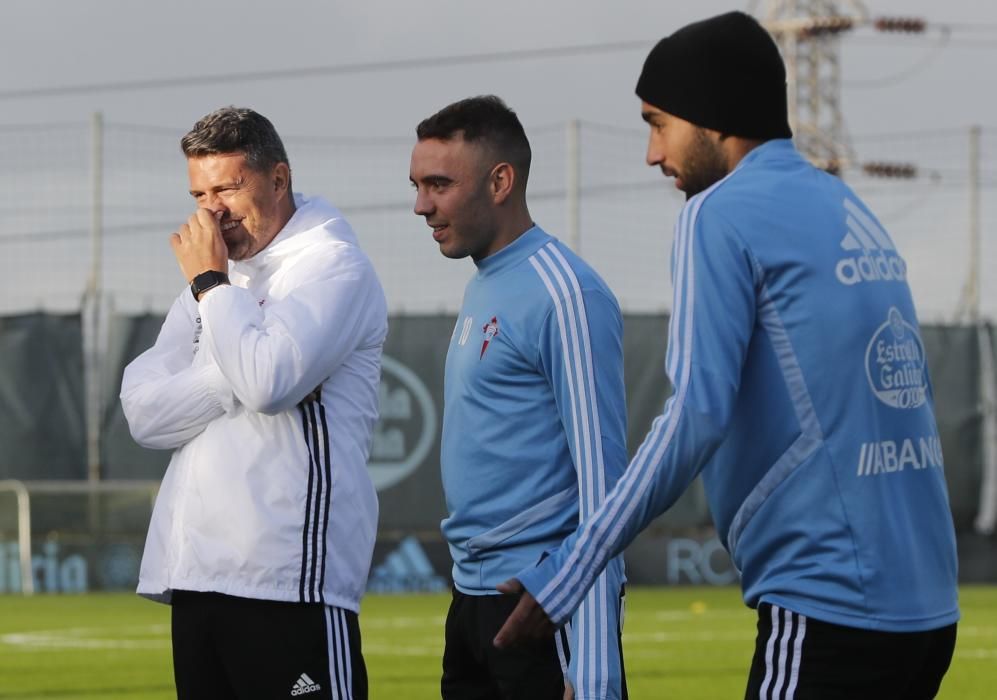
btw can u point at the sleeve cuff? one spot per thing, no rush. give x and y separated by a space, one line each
219 386
536 578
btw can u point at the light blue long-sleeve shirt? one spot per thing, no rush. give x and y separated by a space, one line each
534 431
802 395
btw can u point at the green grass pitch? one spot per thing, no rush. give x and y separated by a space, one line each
679 643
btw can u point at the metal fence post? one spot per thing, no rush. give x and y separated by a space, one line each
91 315
574 185
23 532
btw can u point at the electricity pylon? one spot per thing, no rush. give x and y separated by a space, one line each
807 32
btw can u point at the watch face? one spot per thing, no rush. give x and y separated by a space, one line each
206 280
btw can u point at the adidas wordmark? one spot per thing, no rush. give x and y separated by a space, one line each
871 256
304 685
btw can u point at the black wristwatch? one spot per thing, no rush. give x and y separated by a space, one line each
207 280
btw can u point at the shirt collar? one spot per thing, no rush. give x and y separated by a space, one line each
774 149
529 242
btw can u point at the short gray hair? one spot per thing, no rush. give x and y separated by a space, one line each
236 130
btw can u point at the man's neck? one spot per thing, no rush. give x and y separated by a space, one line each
510 230
736 148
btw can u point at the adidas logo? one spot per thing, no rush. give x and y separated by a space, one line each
875 258
406 569
304 685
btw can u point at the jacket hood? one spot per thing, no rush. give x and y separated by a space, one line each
314 219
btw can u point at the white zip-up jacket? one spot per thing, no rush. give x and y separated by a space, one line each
267 391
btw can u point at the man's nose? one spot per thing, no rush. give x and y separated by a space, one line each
423 205
655 154
214 203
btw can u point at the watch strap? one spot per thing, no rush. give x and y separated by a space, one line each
207 280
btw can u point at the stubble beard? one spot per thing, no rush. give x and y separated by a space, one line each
706 166
240 249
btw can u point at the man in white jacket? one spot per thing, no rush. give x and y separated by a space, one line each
263 381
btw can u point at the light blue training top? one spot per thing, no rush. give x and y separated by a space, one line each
801 393
534 431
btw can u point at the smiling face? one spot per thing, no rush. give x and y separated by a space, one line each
689 153
451 178
255 205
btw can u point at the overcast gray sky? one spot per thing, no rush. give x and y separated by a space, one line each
892 83
51 43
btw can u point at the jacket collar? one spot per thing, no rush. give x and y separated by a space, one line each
313 219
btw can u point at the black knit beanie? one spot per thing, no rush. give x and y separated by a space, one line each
723 73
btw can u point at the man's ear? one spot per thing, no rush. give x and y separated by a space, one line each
717 136
502 182
281 177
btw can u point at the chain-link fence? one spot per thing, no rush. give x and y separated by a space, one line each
62 187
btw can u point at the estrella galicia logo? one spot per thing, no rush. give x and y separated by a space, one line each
895 363
407 427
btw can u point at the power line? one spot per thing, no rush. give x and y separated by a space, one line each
916 41
49 126
946 30
333 70
916 67
969 26
941 132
